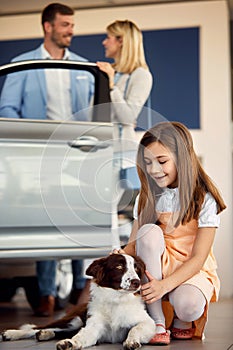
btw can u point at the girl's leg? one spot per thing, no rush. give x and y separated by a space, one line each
150 247
189 304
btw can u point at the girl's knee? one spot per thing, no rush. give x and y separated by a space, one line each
189 306
150 236
188 311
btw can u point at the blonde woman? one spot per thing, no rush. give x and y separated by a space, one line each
130 80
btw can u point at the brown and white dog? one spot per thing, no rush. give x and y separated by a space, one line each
115 312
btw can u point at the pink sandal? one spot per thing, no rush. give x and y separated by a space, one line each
161 338
183 334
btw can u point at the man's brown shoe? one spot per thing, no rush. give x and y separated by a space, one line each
46 307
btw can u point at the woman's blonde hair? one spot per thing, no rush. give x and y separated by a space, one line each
193 182
132 52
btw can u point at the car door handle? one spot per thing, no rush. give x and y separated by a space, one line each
88 144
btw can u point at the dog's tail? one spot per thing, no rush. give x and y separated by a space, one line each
77 311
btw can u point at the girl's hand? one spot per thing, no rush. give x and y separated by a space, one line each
107 68
118 251
153 290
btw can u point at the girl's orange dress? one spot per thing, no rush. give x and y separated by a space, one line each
179 242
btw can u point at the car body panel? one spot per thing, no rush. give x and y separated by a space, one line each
56 183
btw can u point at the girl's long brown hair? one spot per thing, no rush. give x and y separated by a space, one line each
193 182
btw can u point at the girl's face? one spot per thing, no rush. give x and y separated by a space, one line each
160 165
112 46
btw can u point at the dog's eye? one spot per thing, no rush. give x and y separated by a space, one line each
119 267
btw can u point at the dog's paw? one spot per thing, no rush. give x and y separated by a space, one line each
66 344
45 334
131 345
10 334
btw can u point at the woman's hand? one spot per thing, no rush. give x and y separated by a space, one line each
107 68
152 290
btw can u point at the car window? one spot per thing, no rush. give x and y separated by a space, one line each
53 89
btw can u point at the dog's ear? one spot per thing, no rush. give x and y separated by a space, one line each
96 269
140 266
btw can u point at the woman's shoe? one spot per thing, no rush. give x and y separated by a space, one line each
185 334
46 307
161 338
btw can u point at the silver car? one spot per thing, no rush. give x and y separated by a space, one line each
57 182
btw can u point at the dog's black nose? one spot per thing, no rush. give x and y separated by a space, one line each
135 283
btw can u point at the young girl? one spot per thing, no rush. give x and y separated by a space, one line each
176 216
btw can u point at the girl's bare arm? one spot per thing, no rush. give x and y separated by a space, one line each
130 248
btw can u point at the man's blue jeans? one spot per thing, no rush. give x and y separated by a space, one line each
46 274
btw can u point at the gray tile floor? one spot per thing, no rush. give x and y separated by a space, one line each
218 334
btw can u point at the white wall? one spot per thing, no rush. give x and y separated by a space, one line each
213 140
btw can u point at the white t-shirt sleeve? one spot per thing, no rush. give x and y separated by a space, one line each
208 216
135 208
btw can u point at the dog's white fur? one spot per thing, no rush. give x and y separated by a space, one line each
127 315
28 331
114 315
126 320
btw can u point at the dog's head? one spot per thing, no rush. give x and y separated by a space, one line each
118 271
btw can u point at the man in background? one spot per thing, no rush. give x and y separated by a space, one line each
55 95
49 94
